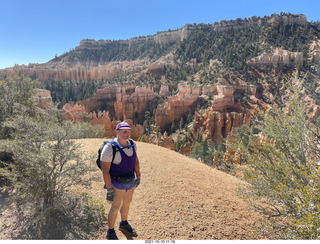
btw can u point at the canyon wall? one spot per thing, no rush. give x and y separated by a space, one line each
186 100
217 125
287 19
74 68
122 102
127 102
217 122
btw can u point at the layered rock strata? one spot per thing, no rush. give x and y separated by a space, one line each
187 99
217 122
217 125
278 56
128 102
122 102
43 98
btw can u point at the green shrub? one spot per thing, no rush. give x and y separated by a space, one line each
40 162
282 170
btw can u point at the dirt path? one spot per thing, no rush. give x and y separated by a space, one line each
180 198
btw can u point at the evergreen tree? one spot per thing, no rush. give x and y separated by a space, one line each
181 124
147 123
173 127
177 144
16 97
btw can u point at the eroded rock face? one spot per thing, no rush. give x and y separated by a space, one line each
128 102
122 102
77 113
273 21
118 103
288 19
278 55
176 106
218 125
44 99
131 106
76 68
315 51
224 115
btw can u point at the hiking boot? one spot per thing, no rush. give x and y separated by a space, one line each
112 236
128 230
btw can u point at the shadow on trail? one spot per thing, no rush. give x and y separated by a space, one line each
128 236
3 199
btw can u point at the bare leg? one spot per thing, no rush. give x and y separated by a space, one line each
127 198
116 204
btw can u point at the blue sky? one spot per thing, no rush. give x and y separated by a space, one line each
34 31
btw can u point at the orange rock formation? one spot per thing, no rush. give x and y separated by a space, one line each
217 122
176 106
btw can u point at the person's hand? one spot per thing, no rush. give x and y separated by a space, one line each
110 195
137 182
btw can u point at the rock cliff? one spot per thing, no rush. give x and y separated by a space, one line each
164 141
122 102
217 125
162 38
217 122
76 70
278 55
177 106
96 60
315 51
273 21
43 99
72 68
128 102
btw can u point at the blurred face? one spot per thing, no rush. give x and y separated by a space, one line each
124 134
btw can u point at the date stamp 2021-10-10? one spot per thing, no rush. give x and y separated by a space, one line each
159 241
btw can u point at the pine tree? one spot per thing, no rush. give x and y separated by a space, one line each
177 144
181 124
147 123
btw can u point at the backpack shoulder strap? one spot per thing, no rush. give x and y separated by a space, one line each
131 142
114 149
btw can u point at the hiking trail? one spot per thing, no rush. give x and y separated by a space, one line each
179 198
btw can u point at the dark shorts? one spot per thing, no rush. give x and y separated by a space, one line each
123 186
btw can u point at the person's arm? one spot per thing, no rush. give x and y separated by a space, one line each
137 168
106 174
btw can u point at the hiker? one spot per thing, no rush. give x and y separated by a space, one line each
118 173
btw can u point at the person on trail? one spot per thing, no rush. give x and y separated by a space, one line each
119 171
